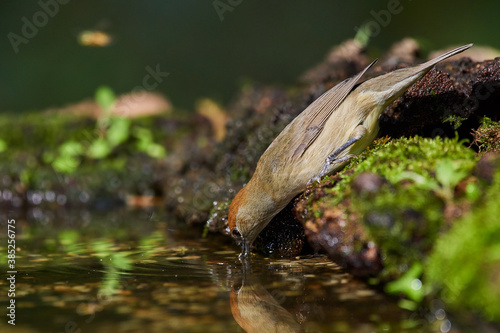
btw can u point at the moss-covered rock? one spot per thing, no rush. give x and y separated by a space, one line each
52 159
419 213
393 201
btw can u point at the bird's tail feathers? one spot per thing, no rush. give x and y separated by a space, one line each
444 56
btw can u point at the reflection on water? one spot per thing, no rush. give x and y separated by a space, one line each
255 309
147 275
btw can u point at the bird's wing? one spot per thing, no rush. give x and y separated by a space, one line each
319 112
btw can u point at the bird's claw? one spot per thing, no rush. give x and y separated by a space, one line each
314 180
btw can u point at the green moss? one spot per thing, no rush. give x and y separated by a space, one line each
418 155
394 160
404 222
405 214
454 120
61 153
408 217
32 131
465 262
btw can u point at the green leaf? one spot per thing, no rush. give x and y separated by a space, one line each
408 305
448 174
71 148
472 191
155 150
144 135
3 145
146 144
408 284
66 164
100 148
426 183
118 132
105 98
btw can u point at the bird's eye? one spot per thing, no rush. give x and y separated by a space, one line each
237 286
235 233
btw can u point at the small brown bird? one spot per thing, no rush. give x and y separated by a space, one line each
337 126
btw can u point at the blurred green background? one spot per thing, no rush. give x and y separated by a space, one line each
263 41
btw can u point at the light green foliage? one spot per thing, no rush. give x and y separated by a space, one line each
105 98
111 132
67 161
447 175
454 120
146 144
465 262
99 148
409 285
3 145
49 151
118 131
363 35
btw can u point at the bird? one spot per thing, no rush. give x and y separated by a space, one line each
334 128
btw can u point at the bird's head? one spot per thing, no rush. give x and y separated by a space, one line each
249 213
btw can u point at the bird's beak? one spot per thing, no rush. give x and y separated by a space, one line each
245 249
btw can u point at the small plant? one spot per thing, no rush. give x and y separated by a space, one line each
410 286
448 174
68 159
145 143
111 132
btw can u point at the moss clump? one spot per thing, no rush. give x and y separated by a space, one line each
403 221
465 262
417 179
487 136
406 158
405 214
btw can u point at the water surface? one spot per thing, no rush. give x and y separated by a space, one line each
139 271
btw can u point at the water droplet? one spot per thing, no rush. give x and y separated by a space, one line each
416 284
445 326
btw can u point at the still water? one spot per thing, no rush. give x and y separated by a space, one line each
137 271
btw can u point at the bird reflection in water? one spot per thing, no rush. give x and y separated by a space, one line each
255 309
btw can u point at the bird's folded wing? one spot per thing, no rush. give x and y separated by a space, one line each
319 112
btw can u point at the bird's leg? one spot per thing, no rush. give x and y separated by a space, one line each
358 133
